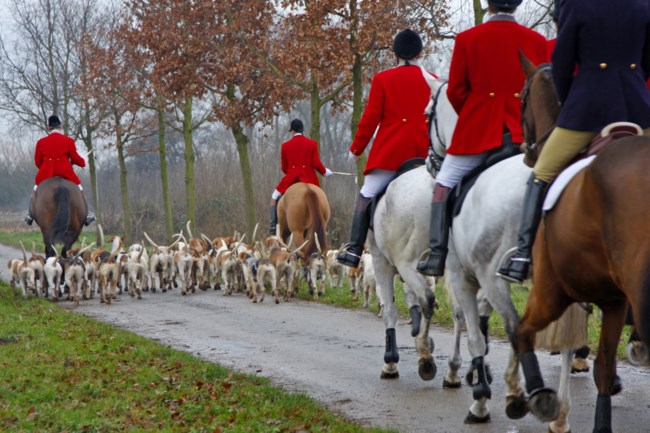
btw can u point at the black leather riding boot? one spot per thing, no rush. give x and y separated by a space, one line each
90 217
516 268
273 214
29 218
351 252
433 264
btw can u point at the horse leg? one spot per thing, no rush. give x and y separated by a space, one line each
452 379
605 364
385 277
421 304
465 290
540 311
561 423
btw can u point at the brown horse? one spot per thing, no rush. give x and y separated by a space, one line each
591 247
60 210
304 211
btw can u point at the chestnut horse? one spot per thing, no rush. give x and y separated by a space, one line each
591 247
304 211
60 210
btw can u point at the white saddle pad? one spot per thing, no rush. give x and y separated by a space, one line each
555 191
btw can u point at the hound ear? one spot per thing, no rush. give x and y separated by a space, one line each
526 64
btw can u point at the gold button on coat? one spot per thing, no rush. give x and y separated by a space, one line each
517 95
633 66
603 65
404 120
491 95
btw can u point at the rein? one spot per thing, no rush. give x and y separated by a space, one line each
530 146
435 157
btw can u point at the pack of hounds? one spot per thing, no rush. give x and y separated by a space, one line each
225 263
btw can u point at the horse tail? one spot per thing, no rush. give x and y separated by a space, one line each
62 217
317 225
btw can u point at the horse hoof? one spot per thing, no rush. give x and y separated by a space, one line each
516 406
427 368
389 375
389 371
637 354
277 301
473 419
543 403
451 384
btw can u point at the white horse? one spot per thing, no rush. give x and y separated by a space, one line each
399 236
481 234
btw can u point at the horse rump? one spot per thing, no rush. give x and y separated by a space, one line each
60 232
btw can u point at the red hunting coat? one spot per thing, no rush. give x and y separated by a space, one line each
485 82
299 157
55 155
396 105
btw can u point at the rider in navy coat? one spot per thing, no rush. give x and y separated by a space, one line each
608 41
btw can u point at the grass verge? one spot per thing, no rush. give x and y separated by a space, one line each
63 372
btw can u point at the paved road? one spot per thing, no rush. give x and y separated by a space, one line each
336 355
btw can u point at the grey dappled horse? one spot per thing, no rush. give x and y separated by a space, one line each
481 234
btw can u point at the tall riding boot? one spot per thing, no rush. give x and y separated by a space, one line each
433 264
273 214
516 268
351 252
29 218
90 217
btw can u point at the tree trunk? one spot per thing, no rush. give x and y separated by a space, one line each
247 176
189 162
162 152
357 101
316 104
479 12
124 191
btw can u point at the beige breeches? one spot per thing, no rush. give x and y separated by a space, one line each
561 147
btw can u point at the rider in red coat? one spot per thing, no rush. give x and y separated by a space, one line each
300 160
54 156
485 81
395 111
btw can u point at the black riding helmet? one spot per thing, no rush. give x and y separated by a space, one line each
407 44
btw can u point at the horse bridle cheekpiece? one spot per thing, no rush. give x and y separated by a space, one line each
434 160
532 143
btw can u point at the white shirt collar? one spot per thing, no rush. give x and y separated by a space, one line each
415 62
56 130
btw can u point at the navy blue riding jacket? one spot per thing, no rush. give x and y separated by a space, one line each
609 42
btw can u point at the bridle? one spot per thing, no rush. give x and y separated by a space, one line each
434 157
531 143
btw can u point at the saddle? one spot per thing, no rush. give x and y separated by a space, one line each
459 192
612 132
405 167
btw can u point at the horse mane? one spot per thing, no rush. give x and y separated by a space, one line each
549 104
318 226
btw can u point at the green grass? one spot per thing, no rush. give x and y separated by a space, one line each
32 236
63 372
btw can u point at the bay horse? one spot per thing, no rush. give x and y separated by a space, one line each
481 233
60 210
590 247
304 211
